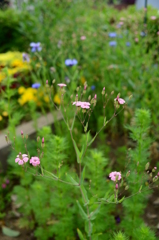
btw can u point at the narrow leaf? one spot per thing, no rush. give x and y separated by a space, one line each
92 140
71 179
80 234
82 212
9 232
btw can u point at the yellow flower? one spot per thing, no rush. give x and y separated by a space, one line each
21 90
83 80
57 99
46 99
2 76
17 63
1 118
5 114
28 95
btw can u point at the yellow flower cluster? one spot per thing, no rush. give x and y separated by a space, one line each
27 94
39 96
4 114
14 62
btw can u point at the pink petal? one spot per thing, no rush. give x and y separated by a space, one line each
121 101
17 160
20 162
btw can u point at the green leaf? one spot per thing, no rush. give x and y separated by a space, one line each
9 232
71 179
85 195
80 234
121 200
82 212
83 175
92 140
94 213
77 151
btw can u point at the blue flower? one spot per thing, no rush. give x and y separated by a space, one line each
112 43
25 57
71 62
112 35
128 44
35 47
93 87
36 85
142 34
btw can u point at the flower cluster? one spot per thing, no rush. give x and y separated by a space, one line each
21 159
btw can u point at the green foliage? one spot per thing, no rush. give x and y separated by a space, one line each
119 236
18 29
137 180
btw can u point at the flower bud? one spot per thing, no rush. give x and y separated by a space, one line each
116 186
42 142
147 166
22 134
76 99
38 138
103 91
46 82
155 178
6 137
128 173
95 96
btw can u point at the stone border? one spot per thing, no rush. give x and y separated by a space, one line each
27 128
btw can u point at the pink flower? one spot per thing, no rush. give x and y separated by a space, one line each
153 17
83 38
115 176
158 33
35 161
61 85
3 185
7 181
21 158
119 100
85 105
136 40
95 96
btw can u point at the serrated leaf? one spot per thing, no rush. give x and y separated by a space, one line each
9 232
82 212
80 234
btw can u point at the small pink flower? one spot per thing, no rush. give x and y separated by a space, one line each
7 181
43 140
83 38
21 158
35 161
136 40
119 100
85 105
4 185
153 17
158 33
155 168
61 85
46 82
115 176
95 96
158 174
